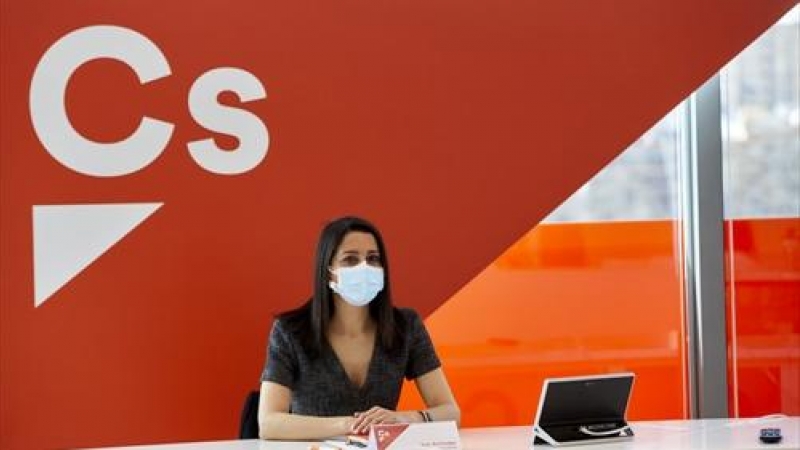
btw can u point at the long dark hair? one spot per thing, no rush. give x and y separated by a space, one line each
310 321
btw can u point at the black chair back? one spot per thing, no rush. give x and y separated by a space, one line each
248 425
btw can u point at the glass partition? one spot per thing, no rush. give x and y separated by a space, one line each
761 156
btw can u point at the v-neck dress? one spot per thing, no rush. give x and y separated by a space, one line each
320 386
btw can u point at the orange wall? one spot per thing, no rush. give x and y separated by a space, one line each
456 126
763 290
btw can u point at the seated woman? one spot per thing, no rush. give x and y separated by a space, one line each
336 365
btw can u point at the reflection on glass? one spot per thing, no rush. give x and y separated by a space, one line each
761 117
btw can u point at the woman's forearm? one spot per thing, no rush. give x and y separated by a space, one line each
287 426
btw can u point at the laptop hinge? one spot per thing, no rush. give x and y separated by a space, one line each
539 433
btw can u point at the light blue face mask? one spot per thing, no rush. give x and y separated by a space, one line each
358 285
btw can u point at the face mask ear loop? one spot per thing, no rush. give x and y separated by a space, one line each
332 283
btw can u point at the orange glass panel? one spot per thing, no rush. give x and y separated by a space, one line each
567 299
763 285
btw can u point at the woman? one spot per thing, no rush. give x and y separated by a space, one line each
336 365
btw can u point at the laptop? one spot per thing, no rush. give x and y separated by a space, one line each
583 410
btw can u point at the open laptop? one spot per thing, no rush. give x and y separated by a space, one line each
583 410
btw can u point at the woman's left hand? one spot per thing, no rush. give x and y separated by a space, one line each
375 415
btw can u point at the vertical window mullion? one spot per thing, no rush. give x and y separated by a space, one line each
703 234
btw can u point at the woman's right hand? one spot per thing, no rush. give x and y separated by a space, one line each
376 415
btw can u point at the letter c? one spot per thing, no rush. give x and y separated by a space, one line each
48 109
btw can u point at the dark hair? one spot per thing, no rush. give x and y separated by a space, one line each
310 321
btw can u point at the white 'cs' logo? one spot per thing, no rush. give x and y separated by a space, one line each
66 145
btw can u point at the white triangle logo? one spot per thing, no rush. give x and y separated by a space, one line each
67 238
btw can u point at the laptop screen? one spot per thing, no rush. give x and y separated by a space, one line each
589 399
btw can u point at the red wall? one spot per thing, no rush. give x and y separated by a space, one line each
424 117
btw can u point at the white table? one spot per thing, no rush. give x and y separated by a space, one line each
707 434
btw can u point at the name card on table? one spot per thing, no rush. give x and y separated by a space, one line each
415 436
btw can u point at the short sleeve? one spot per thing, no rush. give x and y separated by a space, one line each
422 356
281 366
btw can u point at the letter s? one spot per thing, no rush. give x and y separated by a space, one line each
48 109
247 127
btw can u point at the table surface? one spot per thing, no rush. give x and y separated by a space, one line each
705 434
